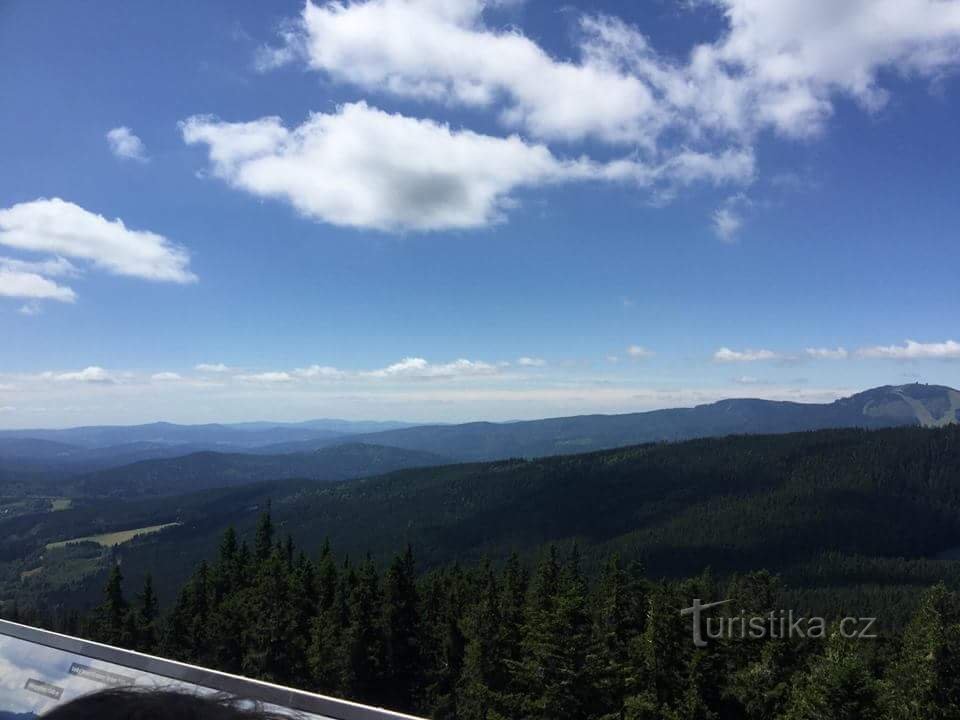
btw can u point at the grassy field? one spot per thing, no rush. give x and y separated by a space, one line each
58 504
112 539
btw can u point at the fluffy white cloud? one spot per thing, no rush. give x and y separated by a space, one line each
211 368
363 167
93 374
726 355
531 362
638 353
777 64
63 228
124 144
912 350
166 377
419 368
781 62
827 353
441 51
15 283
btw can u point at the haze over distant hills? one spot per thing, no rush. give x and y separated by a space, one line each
163 458
777 501
887 406
249 434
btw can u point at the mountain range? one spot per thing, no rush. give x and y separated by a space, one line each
830 508
163 458
888 406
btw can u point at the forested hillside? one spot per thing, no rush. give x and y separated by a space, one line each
852 510
207 470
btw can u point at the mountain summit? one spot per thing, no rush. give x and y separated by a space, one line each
926 405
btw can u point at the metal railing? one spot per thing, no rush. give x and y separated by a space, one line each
66 660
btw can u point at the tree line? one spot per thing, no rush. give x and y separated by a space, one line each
509 643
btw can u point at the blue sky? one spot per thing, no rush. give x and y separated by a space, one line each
453 210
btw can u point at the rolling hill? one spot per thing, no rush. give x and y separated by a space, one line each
204 470
210 436
828 505
888 406
39 461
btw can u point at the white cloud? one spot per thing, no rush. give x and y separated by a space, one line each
726 223
827 353
14 283
531 362
268 378
441 51
166 377
788 58
322 372
63 228
53 267
638 353
30 309
613 359
135 399
211 368
419 368
362 167
92 374
912 350
748 380
726 355
411 368
775 65
124 144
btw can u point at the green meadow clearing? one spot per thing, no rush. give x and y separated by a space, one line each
112 539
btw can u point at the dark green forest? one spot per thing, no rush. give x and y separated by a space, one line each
544 588
492 642
843 516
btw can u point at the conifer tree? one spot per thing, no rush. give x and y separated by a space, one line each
483 681
226 571
363 639
263 544
402 632
923 682
147 612
111 615
552 669
274 645
838 686
663 653
513 606
617 623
